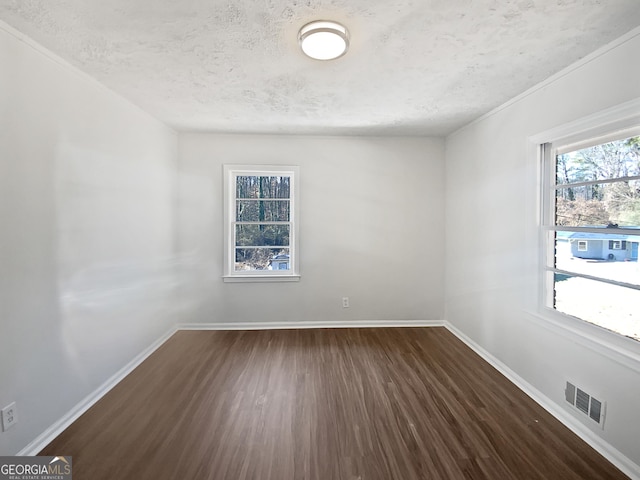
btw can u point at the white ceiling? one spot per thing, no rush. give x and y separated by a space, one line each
415 67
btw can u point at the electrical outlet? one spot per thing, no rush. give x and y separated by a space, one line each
9 416
345 302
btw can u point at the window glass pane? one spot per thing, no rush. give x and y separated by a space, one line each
263 187
262 235
599 205
599 303
262 210
248 259
605 161
610 256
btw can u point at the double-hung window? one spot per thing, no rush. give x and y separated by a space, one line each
591 229
261 222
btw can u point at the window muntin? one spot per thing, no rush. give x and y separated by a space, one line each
592 221
260 221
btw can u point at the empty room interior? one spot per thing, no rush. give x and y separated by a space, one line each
321 239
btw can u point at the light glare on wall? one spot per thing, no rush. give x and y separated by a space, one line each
324 40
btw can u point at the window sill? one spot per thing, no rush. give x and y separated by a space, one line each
260 278
617 347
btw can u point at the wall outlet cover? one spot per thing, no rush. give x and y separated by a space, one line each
9 416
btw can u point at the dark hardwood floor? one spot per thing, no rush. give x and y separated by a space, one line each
334 404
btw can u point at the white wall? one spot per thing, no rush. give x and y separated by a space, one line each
86 235
371 228
491 260
88 238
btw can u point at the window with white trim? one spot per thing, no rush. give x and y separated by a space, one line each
260 211
617 244
591 229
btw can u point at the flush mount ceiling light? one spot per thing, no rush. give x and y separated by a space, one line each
324 40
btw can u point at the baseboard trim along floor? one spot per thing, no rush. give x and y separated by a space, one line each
295 325
86 403
604 448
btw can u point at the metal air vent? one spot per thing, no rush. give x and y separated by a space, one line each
585 403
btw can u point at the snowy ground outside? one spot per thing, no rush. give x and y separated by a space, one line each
609 306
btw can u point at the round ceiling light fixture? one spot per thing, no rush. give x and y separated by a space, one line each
324 40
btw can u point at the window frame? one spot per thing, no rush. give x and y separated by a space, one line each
230 173
549 152
616 245
598 339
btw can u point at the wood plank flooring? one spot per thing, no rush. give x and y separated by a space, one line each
326 404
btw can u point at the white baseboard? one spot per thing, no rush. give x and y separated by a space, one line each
627 466
604 448
59 426
296 325
46 437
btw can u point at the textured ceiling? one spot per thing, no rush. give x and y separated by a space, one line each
416 67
